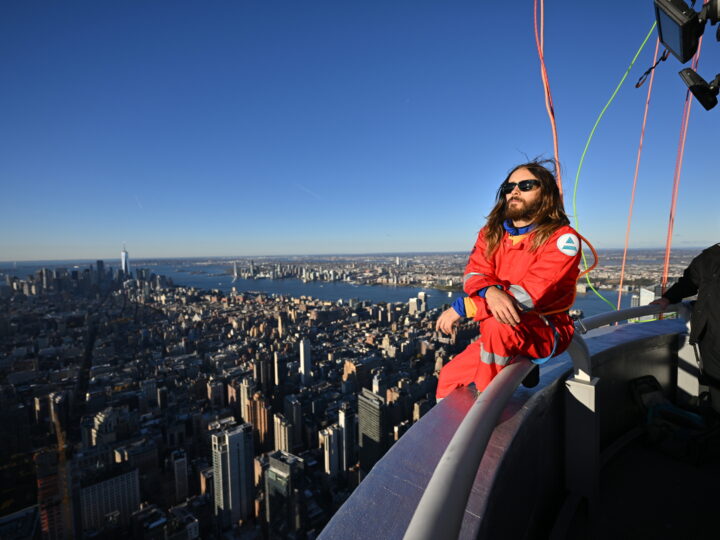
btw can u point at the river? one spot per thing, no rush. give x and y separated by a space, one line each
214 276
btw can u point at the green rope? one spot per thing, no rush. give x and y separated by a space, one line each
582 158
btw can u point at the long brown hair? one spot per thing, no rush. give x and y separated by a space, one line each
549 217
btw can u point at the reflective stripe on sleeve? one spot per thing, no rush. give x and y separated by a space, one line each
471 274
522 296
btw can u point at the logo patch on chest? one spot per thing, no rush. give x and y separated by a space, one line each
568 244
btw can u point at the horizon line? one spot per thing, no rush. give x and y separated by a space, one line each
364 254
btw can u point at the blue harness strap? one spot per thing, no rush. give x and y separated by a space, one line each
541 361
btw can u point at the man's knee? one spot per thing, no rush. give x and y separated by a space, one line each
457 372
527 338
446 384
498 337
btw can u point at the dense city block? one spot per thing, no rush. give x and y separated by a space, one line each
130 406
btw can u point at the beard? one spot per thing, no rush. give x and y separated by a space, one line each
521 211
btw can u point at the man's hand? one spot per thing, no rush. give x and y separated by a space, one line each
662 302
447 320
502 306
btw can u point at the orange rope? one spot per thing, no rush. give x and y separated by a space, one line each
595 256
678 169
586 271
542 24
540 43
637 168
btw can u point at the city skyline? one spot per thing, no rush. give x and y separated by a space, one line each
110 260
377 278
248 130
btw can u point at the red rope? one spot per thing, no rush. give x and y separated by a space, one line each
542 25
678 169
540 43
637 168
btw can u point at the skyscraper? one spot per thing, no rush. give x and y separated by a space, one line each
283 494
100 272
282 321
47 278
149 390
179 462
118 495
233 397
162 397
207 483
216 393
124 262
263 373
260 416
379 381
247 389
329 439
279 368
105 427
422 301
372 429
232 451
348 422
293 413
283 433
305 362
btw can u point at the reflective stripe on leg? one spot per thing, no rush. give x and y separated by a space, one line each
492 358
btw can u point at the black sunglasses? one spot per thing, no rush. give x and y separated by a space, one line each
524 185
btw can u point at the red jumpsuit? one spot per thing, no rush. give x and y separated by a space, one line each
543 282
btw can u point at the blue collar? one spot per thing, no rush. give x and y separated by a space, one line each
517 231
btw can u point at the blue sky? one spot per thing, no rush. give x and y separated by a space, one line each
251 128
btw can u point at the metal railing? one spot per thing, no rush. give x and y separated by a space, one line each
585 325
578 350
440 511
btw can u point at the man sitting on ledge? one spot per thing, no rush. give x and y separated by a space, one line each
520 281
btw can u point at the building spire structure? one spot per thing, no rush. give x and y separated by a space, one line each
124 261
